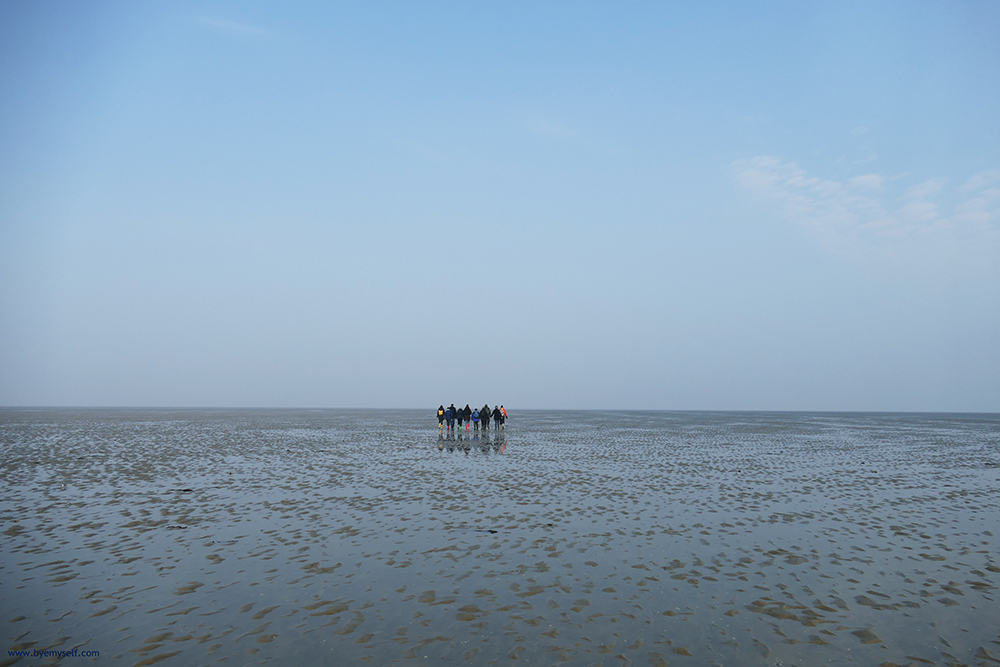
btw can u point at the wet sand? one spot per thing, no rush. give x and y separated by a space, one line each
338 537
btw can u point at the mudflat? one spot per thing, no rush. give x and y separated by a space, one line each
194 537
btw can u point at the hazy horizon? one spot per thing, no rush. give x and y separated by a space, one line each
734 206
514 410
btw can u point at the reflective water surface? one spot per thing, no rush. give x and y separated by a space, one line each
569 538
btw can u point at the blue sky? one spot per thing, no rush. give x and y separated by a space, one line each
552 205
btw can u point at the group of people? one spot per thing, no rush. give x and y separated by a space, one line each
474 416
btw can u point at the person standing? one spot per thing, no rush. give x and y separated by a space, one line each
503 410
497 417
475 419
440 417
459 415
468 416
484 416
449 416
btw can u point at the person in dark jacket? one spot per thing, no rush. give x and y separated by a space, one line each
497 417
459 415
484 416
441 416
449 416
467 413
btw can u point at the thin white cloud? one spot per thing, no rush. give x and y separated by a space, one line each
866 155
861 220
924 190
236 27
982 180
867 181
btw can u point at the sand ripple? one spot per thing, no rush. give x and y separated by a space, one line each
184 537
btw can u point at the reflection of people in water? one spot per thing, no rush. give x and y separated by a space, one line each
490 443
498 441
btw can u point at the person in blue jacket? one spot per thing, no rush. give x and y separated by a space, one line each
449 416
475 419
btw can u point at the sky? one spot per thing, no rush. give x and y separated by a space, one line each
550 205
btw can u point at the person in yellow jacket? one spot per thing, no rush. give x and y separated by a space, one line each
440 416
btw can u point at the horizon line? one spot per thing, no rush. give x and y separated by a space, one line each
385 409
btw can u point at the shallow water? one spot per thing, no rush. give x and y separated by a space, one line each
576 538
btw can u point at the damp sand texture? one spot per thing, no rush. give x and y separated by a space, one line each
570 538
